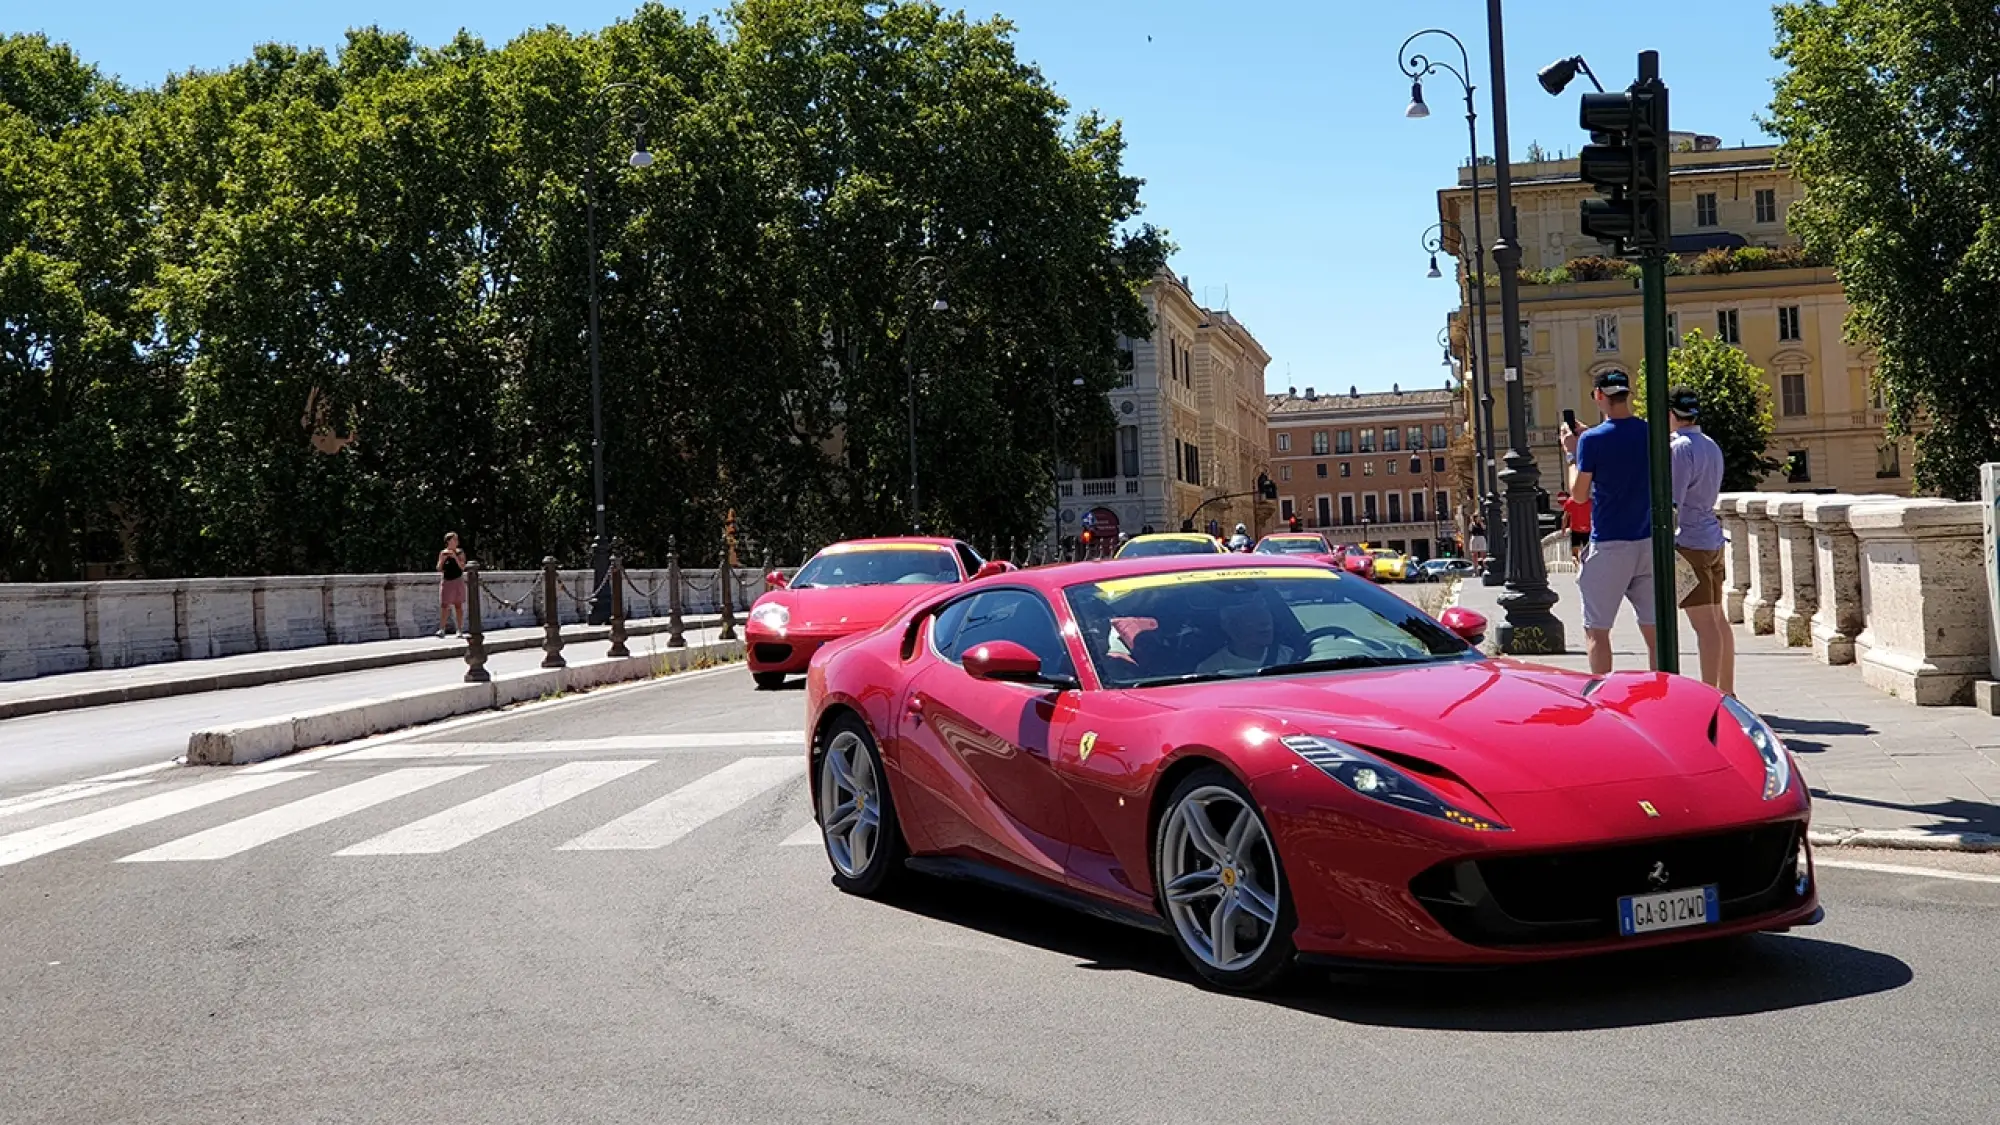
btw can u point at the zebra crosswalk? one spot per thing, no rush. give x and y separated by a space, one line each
627 803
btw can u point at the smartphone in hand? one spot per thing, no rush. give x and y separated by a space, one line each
1569 421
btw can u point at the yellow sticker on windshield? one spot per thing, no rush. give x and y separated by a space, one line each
854 548
1119 587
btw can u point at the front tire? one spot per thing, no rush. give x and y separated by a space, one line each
768 681
1221 886
857 818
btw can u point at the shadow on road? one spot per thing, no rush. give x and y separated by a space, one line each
1727 977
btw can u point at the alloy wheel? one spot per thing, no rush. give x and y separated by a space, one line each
850 804
1219 877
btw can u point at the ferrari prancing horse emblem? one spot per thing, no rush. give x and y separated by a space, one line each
1084 747
1649 809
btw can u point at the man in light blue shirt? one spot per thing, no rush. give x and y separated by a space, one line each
1697 469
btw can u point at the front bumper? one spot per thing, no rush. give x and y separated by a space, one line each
785 651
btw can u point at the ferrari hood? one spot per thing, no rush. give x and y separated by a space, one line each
844 609
1501 727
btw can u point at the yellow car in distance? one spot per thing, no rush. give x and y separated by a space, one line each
1390 565
1171 543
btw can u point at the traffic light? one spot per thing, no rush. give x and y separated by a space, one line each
1628 162
1265 488
1294 523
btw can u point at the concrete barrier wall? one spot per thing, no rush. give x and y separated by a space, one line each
50 628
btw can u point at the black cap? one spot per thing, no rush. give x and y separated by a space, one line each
1684 402
1613 382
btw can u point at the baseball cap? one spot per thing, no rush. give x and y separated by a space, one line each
1613 382
1684 402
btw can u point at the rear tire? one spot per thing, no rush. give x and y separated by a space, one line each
768 681
1221 886
857 817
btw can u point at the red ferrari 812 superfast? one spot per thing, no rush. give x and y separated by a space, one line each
1274 762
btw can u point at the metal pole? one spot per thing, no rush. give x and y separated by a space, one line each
600 603
475 630
1653 284
1495 529
617 576
552 642
676 637
910 377
1530 627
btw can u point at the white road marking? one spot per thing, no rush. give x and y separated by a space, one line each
1905 869
622 744
807 835
239 836
44 800
464 823
39 796
661 822
76 830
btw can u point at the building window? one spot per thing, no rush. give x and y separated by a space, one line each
1173 360
1607 333
1284 472
1875 396
1191 453
1392 466
1395 507
1416 507
1673 330
1346 469
1888 460
1343 442
1319 470
1368 507
1325 511
1440 437
1443 508
1788 322
1368 441
1767 205
1346 508
1319 443
1367 468
1704 209
1416 465
1437 464
1180 460
1798 467
1392 439
1284 443
1792 387
1285 509
1416 437
1527 338
1726 328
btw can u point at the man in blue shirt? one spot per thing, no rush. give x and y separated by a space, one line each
1697 467
1608 463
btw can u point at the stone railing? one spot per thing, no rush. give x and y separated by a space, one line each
1897 585
1555 553
47 628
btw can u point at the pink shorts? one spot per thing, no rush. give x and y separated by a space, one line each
452 592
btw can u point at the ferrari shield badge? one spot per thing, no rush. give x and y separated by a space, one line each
1649 809
1084 747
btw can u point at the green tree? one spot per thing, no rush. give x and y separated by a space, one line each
1735 405
1889 115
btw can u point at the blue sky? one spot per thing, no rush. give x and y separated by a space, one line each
1270 132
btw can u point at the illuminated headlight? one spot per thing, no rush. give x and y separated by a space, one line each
1372 777
771 616
1777 759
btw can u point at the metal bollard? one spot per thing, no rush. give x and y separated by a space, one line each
551 615
727 577
617 579
475 631
674 637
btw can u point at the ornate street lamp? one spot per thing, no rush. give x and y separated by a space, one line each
1417 67
1482 420
928 270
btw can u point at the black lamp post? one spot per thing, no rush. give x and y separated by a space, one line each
1055 461
600 545
923 269
1530 627
1418 67
1482 418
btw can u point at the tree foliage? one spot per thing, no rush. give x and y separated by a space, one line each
309 311
1891 116
1735 405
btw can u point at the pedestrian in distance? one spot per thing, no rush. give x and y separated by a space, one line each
1476 543
1608 464
451 586
1240 542
1698 539
1576 517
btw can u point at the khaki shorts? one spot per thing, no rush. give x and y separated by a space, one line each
1708 577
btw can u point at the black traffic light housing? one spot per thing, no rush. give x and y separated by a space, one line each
1265 488
1628 162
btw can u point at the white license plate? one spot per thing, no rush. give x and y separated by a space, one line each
1668 910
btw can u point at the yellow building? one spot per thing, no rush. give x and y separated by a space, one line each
1745 281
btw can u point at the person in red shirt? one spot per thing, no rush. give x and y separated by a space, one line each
1576 517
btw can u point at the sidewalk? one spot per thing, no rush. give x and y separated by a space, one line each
97 688
1874 763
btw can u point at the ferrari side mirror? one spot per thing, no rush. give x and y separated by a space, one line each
997 566
1465 624
1004 661
776 580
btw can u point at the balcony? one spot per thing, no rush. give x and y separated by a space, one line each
1098 486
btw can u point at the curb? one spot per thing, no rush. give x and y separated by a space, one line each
1904 839
244 743
332 666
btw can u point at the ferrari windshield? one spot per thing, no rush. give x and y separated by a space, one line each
1147 547
1292 545
1191 625
870 565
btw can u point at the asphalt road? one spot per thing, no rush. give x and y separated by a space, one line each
38 750
519 935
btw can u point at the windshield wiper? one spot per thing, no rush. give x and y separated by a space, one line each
1337 663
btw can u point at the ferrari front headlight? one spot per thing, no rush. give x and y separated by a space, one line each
1373 777
1771 748
771 616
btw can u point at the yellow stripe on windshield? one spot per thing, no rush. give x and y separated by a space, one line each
855 548
1119 587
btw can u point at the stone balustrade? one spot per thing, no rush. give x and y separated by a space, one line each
1897 585
48 628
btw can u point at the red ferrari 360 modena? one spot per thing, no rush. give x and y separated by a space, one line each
849 588
1276 761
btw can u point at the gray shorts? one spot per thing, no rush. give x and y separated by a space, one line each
1614 569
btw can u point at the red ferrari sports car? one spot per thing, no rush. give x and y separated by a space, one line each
1273 761
848 588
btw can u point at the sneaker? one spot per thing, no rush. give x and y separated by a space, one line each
439 634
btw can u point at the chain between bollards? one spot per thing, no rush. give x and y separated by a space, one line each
674 625
475 630
617 573
728 577
551 615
